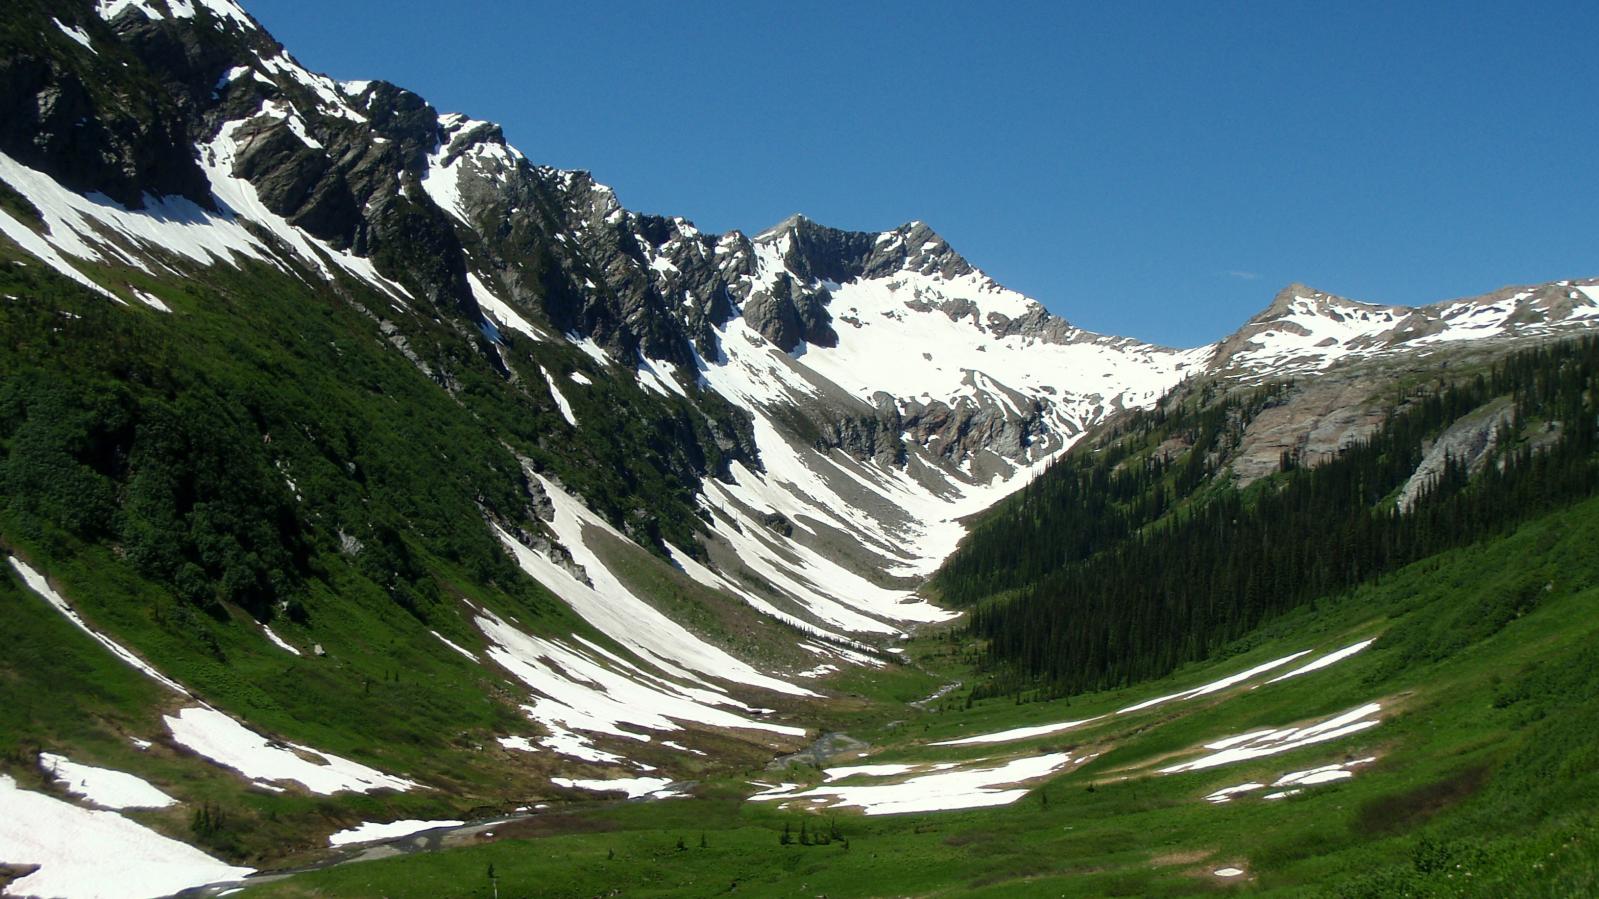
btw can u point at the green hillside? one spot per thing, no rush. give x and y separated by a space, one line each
1137 552
1486 667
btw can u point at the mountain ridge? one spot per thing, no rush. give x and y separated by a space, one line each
384 438
889 348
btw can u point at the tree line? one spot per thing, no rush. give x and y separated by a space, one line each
1119 566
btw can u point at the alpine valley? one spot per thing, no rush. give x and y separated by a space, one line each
387 514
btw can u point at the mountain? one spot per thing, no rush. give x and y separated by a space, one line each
1306 330
358 467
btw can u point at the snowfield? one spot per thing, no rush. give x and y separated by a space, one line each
225 741
634 787
944 787
619 613
89 854
1258 744
372 832
1328 659
1215 686
594 691
103 786
1324 774
1019 733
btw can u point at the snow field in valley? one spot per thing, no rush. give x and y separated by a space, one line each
933 787
372 832
225 741
612 608
1040 730
634 787
84 853
584 691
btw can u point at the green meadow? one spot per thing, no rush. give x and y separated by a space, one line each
1486 771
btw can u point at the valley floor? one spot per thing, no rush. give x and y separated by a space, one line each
1454 755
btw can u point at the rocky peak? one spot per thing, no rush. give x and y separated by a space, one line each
914 246
92 115
1285 299
813 252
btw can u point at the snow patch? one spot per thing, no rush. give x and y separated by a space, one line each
981 785
1263 743
76 35
104 787
560 398
39 585
75 849
225 741
371 832
634 787
1324 661
1019 733
1215 686
499 310
446 641
278 641
151 300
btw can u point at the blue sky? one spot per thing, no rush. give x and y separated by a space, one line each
1153 170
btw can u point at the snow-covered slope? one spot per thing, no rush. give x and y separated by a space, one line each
929 392
1307 330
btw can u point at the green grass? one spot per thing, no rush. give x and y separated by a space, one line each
1487 772
1486 666
298 382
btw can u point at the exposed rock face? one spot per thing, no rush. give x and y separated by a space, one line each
1468 442
881 346
73 116
789 315
1318 419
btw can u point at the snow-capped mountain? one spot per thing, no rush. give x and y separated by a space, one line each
1306 330
818 408
891 387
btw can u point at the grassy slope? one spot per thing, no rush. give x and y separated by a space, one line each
332 394
1486 776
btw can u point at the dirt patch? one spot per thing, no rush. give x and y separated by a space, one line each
1017 868
1400 811
1189 857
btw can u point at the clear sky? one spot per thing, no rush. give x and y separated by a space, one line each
1157 170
